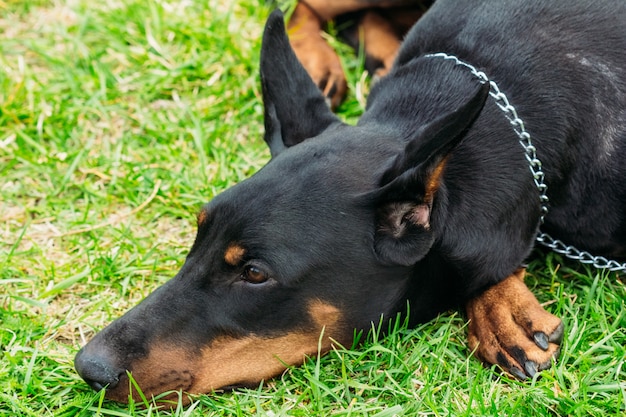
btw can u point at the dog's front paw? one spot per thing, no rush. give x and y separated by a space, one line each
323 65
508 327
316 56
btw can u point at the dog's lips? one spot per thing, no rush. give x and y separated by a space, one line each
168 385
174 380
238 385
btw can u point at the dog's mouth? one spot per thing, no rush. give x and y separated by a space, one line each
168 384
239 385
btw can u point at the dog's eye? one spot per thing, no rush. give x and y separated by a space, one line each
254 275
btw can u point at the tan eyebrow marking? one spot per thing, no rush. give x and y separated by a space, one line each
234 254
202 217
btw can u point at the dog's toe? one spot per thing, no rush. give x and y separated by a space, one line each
508 327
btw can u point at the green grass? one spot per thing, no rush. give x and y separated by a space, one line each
118 120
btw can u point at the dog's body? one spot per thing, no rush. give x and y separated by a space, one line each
428 200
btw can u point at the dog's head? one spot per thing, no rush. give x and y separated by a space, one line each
322 241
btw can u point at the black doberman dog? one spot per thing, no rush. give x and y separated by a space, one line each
428 200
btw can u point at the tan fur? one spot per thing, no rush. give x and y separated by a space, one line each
381 41
202 217
506 317
433 182
234 254
230 361
316 56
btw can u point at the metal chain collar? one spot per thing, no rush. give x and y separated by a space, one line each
536 170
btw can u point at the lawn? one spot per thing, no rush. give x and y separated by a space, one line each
118 120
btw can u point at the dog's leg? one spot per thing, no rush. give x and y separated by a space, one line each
317 57
383 31
329 9
509 327
381 43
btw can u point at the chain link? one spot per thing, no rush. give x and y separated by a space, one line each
571 252
536 170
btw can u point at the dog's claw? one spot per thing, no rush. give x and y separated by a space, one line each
517 373
321 84
541 340
531 368
557 335
331 93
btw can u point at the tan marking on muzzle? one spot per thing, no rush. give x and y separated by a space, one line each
234 254
229 361
324 314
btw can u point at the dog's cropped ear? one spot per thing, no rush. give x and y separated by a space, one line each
295 109
408 187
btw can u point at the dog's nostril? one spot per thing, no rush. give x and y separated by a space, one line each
97 386
97 371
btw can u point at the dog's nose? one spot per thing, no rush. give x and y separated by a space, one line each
97 371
